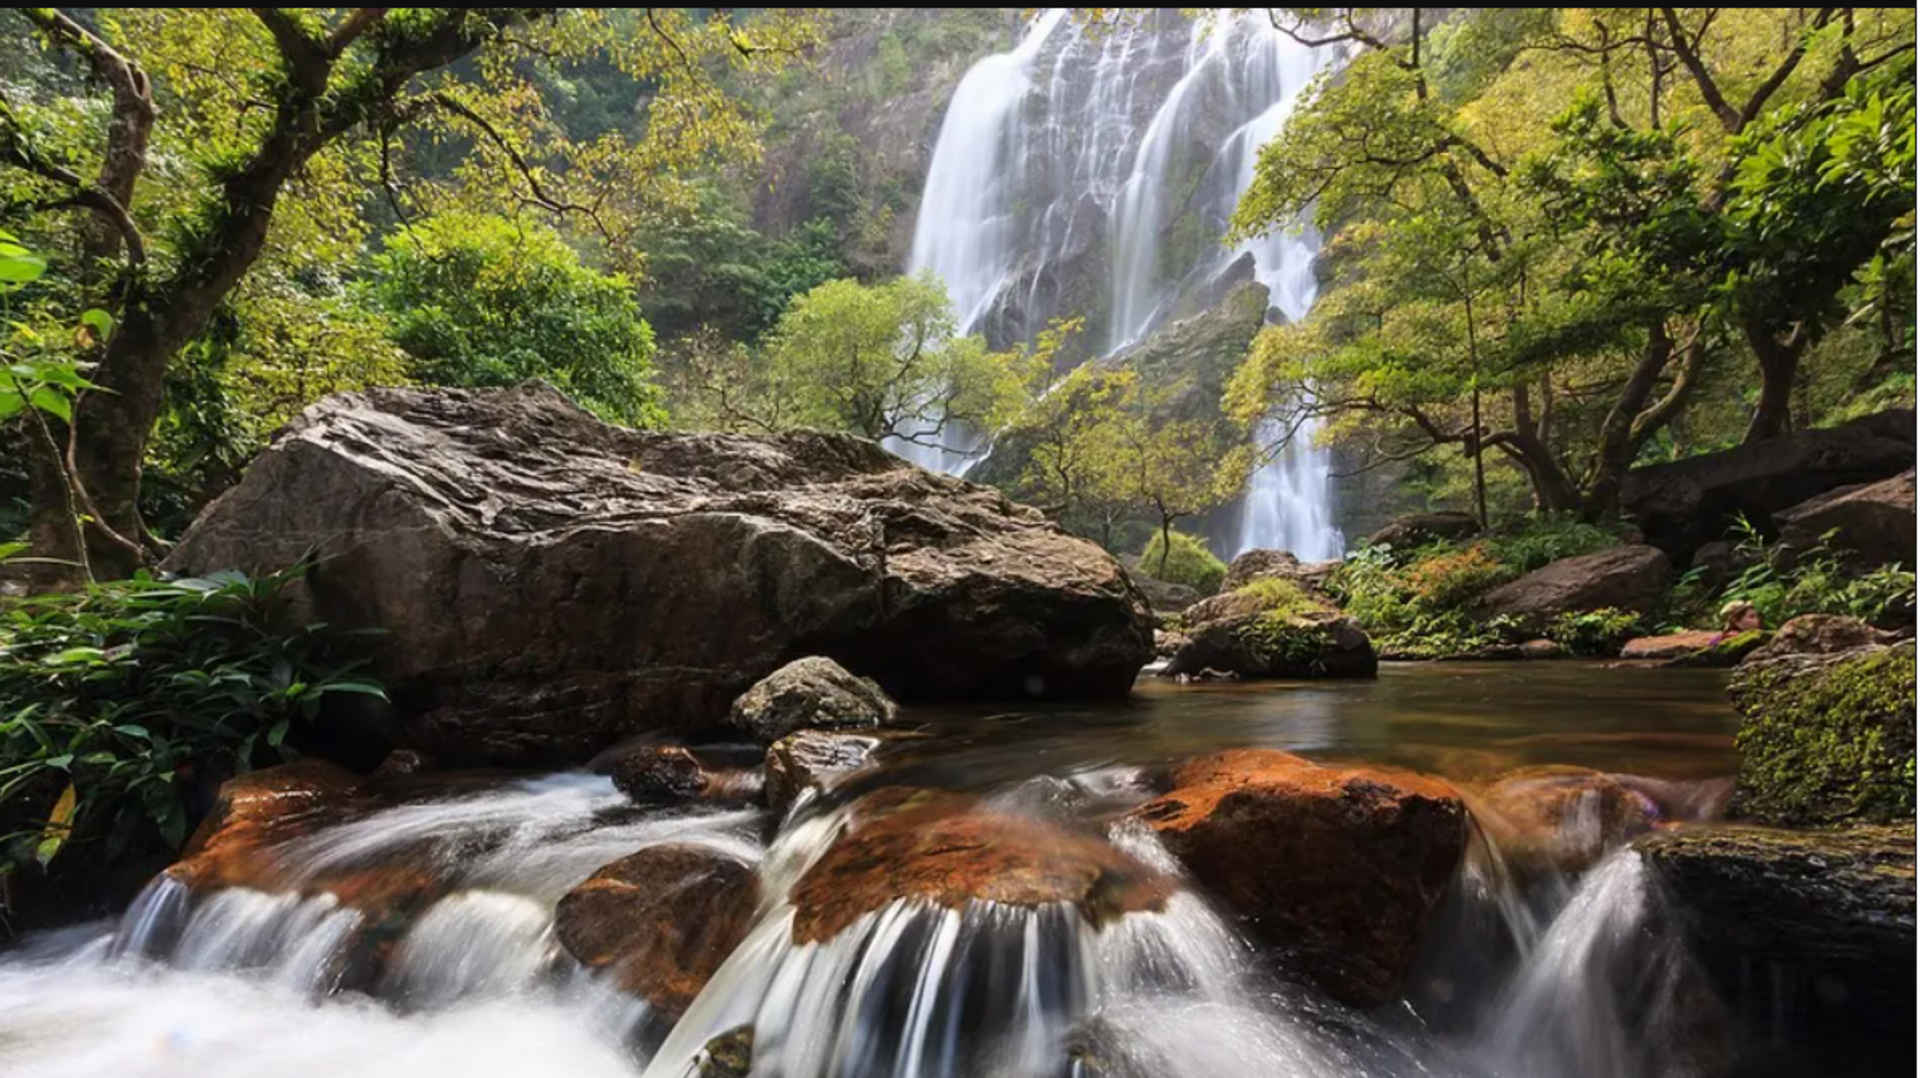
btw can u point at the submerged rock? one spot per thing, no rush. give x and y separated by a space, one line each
727 1055
548 584
1272 628
813 759
1561 818
1826 738
653 774
262 809
1627 577
1339 867
1830 914
945 849
660 921
1684 504
811 694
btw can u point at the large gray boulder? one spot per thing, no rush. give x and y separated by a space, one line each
548 584
1872 523
1685 503
814 693
1628 577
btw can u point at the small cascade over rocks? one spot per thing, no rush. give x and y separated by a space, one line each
1057 922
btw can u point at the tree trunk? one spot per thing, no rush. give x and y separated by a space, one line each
1478 445
1779 361
1166 544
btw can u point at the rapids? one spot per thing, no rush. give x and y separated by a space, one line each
1574 976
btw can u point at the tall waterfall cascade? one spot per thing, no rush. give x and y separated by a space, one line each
1093 174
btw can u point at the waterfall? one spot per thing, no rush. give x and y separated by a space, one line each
1093 174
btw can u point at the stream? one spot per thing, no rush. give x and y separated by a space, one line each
1570 976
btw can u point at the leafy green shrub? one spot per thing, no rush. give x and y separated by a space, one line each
1548 537
1454 579
1594 632
1813 581
1188 562
485 301
113 699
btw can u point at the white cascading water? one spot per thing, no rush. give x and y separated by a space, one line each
241 982
1061 168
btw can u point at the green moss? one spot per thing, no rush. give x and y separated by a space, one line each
1283 632
1827 742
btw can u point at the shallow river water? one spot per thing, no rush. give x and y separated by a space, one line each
1572 976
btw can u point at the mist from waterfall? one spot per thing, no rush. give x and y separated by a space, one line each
1093 174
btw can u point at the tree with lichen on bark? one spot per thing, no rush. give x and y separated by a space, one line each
231 140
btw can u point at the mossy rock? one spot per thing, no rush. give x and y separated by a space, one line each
1273 628
728 1055
1727 653
1827 739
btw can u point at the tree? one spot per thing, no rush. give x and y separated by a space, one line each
1168 469
1589 278
883 361
320 104
485 301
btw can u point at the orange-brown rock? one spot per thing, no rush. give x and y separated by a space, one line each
943 848
1339 867
1670 646
237 845
1563 818
262 809
661 921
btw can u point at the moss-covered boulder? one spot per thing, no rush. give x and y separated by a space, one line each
1828 915
1827 739
1725 653
1273 628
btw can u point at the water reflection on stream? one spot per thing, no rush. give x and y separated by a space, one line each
1573 979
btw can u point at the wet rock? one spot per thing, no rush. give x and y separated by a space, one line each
1625 577
1686 503
1168 642
1561 818
549 584
1264 564
660 921
1415 529
262 809
945 848
660 773
1165 598
811 694
1668 646
1273 628
1873 523
1542 649
1728 653
1341 867
727 1055
1817 634
1826 738
401 762
815 759
1830 915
